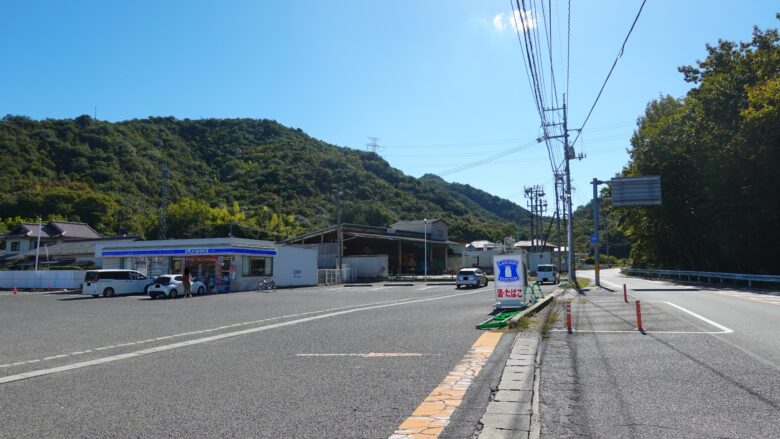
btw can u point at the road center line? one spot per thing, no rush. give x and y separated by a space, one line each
42 372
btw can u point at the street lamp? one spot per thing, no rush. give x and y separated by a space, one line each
425 256
37 252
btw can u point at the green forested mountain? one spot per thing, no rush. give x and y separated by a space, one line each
717 151
253 178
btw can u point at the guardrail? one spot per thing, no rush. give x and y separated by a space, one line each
709 275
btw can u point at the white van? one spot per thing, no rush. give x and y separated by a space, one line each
547 273
110 282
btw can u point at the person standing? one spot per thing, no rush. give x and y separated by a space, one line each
185 280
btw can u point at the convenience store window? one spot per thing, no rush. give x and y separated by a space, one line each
258 266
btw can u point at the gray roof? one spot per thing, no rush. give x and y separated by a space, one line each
416 222
55 229
73 248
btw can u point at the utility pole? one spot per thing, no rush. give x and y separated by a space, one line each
339 236
569 153
558 190
163 203
569 229
596 251
538 206
425 249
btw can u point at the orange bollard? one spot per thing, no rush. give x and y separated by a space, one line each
14 291
568 317
625 293
639 318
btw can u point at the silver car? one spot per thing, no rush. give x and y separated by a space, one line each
473 277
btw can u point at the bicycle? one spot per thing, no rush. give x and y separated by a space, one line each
267 285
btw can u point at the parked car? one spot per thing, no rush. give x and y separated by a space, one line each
171 286
474 277
111 282
547 273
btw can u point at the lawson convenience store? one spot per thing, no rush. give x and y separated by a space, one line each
223 264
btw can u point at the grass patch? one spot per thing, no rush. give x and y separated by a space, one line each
582 282
548 323
521 325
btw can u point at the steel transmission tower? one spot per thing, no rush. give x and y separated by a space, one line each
538 206
373 145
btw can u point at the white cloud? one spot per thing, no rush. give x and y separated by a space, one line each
503 21
521 18
498 22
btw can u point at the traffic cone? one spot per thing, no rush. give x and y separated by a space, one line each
14 291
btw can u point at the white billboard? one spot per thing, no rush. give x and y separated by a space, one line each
510 280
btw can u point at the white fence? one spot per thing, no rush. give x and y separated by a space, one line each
333 276
59 279
367 267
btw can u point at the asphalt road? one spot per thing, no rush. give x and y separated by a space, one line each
286 364
708 365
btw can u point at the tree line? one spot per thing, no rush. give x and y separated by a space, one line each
717 151
240 177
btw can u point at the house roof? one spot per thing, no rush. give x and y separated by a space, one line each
482 244
54 229
415 222
538 243
369 232
77 247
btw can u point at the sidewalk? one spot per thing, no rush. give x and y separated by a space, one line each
513 411
510 413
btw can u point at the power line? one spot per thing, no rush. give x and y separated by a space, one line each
619 55
486 160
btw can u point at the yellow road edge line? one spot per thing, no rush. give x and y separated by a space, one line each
430 418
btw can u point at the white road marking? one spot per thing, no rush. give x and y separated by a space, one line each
368 355
585 331
41 372
724 330
182 335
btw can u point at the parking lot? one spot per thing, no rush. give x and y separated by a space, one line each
327 361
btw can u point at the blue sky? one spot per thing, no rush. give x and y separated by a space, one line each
440 83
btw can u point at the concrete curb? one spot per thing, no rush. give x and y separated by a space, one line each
513 411
538 306
398 285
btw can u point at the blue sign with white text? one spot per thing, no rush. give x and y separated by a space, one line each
507 270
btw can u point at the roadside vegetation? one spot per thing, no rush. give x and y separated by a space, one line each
240 177
716 150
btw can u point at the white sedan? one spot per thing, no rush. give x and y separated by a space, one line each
171 286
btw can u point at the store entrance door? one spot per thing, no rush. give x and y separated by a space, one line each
204 269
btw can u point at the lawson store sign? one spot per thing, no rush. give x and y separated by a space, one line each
191 251
510 280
